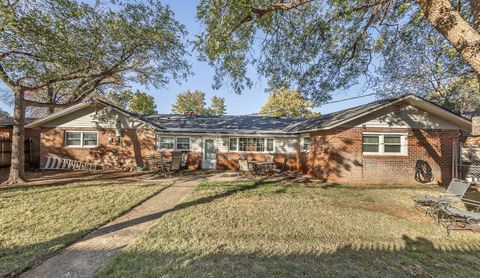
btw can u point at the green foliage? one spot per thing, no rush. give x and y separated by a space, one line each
142 103
460 95
74 49
138 102
4 113
217 106
120 98
194 102
318 46
284 102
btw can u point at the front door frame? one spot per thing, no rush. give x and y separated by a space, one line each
209 164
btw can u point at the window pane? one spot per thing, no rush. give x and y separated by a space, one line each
391 139
73 138
89 139
242 144
183 143
270 145
233 144
260 144
370 148
251 144
371 139
392 148
306 143
166 143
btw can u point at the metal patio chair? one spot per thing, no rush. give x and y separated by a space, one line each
454 193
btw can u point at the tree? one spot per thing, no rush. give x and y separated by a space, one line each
461 95
318 46
194 102
142 103
121 99
4 114
217 106
190 102
284 102
56 53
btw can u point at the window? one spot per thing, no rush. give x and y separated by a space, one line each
269 145
90 139
183 143
371 143
385 144
232 146
251 144
174 143
166 143
305 143
81 139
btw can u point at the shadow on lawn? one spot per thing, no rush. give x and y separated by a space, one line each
419 258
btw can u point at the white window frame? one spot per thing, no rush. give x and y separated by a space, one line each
264 145
189 144
302 146
81 139
159 145
381 144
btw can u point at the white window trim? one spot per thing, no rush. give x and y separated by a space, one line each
381 144
264 145
81 138
189 144
159 148
302 144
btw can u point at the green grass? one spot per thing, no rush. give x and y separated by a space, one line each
36 222
247 229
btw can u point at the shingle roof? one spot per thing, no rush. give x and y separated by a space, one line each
253 123
226 123
8 121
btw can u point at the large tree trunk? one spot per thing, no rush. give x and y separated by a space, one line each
463 37
17 168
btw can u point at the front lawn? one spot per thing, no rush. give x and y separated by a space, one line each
36 222
248 229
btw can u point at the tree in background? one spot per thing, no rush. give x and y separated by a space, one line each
120 98
217 106
138 102
461 95
4 114
194 102
56 53
142 103
284 102
318 47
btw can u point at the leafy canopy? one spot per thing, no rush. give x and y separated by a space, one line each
284 102
318 47
194 102
138 102
72 48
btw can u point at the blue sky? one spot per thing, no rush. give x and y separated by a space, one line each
250 101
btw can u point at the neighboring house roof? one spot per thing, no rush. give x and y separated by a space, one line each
265 124
8 121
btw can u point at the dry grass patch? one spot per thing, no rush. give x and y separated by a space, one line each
284 229
36 222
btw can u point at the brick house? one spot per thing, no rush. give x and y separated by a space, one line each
374 143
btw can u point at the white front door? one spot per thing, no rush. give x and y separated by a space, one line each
209 160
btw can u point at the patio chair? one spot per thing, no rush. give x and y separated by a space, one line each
243 167
282 168
456 219
167 168
454 193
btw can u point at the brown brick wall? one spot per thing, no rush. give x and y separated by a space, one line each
336 156
132 150
229 160
135 145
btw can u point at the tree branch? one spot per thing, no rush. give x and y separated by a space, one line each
5 78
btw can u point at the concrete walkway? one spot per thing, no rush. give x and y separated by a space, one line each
84 258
